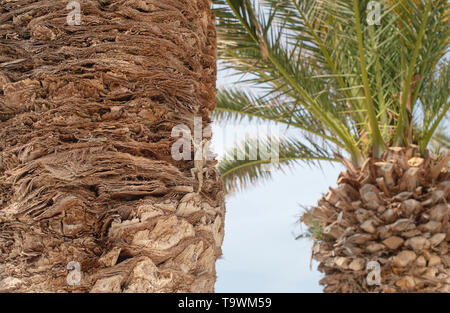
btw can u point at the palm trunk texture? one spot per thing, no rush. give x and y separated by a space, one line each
385 228
86 172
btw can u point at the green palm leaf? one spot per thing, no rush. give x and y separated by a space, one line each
250 161
233 105
320 67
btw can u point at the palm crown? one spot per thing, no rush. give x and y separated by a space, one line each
348 86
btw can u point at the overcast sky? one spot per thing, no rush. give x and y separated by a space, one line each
260 253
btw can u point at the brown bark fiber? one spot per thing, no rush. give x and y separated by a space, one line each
86 174
393 211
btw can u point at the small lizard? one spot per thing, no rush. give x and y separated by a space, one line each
200 162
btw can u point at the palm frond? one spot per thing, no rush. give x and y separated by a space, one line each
440 141
233 105
255 44
434 102
319 66
250 161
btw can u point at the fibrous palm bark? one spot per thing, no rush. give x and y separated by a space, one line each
393 211
86 173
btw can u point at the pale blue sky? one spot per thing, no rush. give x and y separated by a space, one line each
260 253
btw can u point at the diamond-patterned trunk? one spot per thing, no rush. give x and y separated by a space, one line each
387 220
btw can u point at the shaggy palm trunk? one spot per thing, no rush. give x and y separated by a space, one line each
394 212
86 173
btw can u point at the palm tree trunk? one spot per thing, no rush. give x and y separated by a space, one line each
86 173
385 228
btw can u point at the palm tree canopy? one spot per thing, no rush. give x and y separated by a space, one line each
349 82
